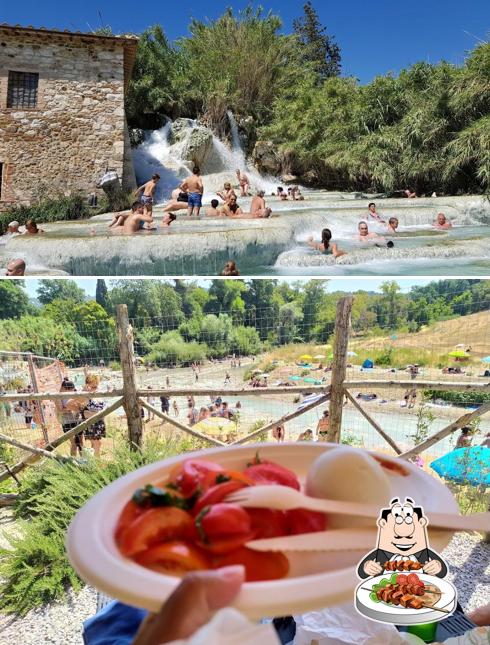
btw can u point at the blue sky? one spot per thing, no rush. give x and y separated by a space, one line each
375 37
335 284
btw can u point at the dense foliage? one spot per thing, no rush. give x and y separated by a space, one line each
35 568
427 128
182 322
237 62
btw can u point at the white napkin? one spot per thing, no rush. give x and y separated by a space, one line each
229 627
342 625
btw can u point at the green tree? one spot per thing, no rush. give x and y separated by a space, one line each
50 290
150 302
290 317
245 341
317 46
101 294
14 302
150 95
43 336
391 303
172 349
262 306
219 55
91 322
226 296
313 297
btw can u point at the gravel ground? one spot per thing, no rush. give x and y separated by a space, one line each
467 555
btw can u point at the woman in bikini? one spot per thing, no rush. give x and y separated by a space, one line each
243 182
326 246
231 208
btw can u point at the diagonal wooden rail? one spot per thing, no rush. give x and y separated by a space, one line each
179 425
374 423
284 419
464 420
52 445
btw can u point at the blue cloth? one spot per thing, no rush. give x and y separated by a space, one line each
194 200
116 624
465 466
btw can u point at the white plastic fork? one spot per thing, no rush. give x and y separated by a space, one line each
285 498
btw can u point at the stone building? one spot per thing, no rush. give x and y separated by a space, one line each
62 119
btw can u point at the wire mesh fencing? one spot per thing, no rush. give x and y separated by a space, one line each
230 372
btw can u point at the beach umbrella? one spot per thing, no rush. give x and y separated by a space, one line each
294 378
309 399
486 359
214 425
458 353
309 379
351 354
319 356
306 357
460 345
394 337
465 466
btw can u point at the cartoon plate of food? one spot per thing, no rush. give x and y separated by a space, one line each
406 598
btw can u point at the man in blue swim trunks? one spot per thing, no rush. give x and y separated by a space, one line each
194 187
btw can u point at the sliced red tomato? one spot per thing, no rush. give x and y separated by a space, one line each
300 520
413 579
154 526
268 523
217 494
272 474
259 565
176 557
223 527
129 513
402 579
194 474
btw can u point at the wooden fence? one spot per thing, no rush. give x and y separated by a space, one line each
132 399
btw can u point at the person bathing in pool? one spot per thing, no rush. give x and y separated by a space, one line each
365 236
326 245
373 213
227 193
231 207
194 187
442 223
392 226
137 219
212 211
178 202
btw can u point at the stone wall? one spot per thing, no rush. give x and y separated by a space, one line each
77 129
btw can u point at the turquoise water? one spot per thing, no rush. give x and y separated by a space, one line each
276 246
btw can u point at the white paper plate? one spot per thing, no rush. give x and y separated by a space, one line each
315 580
401 615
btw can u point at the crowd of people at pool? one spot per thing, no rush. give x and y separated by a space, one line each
189 196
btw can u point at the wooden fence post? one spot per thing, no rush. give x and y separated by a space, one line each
130 395
38 404
342 331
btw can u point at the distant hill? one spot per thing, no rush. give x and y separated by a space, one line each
442 337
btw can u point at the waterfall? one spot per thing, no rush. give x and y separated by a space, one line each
235 139
157 154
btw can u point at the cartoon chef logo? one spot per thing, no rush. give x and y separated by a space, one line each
405 585
403 544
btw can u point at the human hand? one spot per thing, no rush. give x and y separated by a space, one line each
191 605
432 567
372 568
